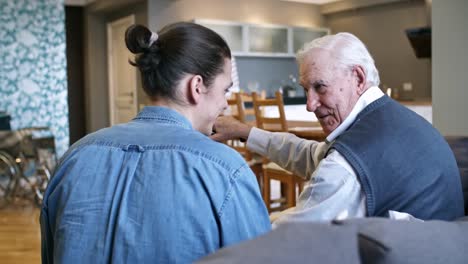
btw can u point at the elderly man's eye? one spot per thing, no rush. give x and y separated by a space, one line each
319 88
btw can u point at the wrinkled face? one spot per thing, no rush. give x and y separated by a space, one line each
331 88
214 101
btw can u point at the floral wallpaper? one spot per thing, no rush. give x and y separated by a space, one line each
33 78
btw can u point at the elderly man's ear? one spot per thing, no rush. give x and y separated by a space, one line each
360 75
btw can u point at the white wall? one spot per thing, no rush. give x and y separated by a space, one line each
450 66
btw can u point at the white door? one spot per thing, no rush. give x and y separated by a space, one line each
122 75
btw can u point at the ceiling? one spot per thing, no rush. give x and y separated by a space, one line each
317 2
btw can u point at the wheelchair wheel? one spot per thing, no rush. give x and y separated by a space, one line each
42 179
8 177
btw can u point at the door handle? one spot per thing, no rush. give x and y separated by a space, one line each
127 94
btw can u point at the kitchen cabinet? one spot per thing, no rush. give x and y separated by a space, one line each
230 31
304 35
267 39
263 40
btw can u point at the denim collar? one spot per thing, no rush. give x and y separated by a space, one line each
164 115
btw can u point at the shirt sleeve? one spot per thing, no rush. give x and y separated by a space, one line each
295 154
333 192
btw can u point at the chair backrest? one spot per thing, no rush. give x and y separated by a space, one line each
237 106
45 151
38 143
238 110
277 123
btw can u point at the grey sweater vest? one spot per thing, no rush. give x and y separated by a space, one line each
402 163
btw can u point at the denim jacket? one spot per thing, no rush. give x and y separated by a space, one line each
151 190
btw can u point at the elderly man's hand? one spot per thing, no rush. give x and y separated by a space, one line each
227 127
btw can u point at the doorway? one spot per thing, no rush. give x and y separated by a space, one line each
122 75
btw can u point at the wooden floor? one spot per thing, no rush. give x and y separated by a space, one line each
20 235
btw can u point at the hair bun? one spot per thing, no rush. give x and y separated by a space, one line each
137 38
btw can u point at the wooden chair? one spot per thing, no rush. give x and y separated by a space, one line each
237 107
271 170
238 110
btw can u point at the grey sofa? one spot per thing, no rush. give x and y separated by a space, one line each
368 240
365 240
459 146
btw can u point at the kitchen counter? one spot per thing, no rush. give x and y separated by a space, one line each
419 102
303 100
298 112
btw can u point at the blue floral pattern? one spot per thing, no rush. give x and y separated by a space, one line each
33 77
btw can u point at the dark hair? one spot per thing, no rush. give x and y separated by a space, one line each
180 48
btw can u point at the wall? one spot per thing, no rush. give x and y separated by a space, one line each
450 64
97 15
382 29
33 81
267 72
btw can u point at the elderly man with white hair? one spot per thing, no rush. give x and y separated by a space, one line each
378 156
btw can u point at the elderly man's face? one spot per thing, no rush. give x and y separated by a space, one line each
332 90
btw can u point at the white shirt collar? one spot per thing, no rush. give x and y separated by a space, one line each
366 98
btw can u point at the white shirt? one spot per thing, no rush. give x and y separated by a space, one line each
333 190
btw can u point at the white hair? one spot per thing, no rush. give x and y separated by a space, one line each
348 50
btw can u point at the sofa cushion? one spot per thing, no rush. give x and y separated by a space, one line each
295 243
459 146
392 241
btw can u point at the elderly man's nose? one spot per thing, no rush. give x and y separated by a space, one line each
312 101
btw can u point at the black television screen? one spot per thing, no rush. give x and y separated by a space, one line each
420 39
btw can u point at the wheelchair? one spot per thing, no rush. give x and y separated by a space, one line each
27 158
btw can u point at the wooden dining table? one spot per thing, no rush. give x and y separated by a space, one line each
303 129
306 129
